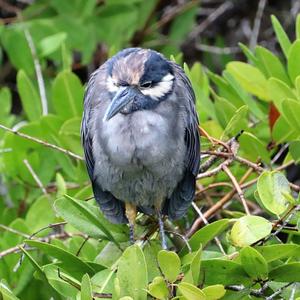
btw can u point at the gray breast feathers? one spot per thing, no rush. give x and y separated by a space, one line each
146 157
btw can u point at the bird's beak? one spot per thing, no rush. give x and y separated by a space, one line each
121 99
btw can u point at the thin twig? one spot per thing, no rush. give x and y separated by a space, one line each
47 239
35 177
14 231
257 21
279 291
82 244
237 187
199 212
210 19
218 50
46 144
38 72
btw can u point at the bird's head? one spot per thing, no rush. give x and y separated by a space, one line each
138 79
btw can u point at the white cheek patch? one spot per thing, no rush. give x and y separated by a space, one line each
111 85
160 89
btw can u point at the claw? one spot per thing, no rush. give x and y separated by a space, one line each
162 232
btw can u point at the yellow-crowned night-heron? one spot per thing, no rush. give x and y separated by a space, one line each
140 137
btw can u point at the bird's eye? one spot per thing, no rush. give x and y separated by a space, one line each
146 84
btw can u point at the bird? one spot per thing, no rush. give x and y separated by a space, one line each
140 135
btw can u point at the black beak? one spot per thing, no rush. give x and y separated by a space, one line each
121 99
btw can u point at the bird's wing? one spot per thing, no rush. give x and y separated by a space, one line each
183 195
111 207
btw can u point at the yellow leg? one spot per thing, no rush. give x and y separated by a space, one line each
130 211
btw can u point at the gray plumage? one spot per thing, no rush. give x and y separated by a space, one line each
148 153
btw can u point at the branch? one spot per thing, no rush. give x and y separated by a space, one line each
35 177
38 71
237 187
46 144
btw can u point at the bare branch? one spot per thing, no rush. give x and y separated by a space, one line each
237 187
35 177
257 21
38 72
46 144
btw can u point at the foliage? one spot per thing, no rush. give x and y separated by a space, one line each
68 249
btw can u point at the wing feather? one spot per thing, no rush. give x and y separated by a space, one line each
111 207
184 193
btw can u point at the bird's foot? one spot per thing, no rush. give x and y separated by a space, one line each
131 233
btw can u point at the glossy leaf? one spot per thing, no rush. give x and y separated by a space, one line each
69 262
206 234
132 273
190 291
30 99
86 288
277 251
221 271
250 78
249 229
214 292
272 187
84 217
169 263
294 61
286 273
291 111
67 95
51 43
272 65
254 263
281 35
158 288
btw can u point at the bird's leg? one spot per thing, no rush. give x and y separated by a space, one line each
162 231
130 211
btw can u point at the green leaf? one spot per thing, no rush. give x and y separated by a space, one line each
254 263
169 263
237 123
14 39
69 262
82 216
214 292
248 53
190 291
71 127
253 147
205 235
5 100
40 214
279 91
158 288
282 37
221 271
291 112
250 78
67 287
6 293
30 99
194 271
282 131
286 273
294 61
132 273
271 187
278 251
67 95
294 149
224 111
86 288
34 263
51 43
249 229
271 64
